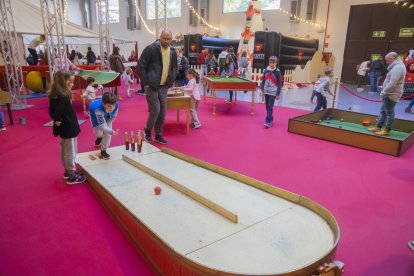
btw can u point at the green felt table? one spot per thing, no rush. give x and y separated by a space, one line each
100 77
225 79
231 83
398 135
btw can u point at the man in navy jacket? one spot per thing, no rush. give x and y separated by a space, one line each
157 69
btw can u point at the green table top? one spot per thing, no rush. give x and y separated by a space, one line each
100 77
398 135
224 79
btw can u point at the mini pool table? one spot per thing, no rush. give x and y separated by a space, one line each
346 127
229 83
106 79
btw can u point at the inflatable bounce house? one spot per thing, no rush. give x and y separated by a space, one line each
258 44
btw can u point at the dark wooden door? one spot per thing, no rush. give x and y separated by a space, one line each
361 41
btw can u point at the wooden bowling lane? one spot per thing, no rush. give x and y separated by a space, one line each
276 232
188 192
284 242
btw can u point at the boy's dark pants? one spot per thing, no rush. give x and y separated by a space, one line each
270 103
321 102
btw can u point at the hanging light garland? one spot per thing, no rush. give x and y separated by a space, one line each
65 11
299 18
404 3
199 17
142 18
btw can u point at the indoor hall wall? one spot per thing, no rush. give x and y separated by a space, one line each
75 13
119 30
232 24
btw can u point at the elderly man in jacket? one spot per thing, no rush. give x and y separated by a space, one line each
157 69
391 93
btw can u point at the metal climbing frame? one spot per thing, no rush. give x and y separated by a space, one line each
53 26
11 55
160 16
104 38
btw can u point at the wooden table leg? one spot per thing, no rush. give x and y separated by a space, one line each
10 113
235 96
253 94
213 92
187 120
178 115
205 91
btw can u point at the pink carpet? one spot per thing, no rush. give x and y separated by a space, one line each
50 228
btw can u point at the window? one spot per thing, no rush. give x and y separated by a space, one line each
241 5
193 18
133 22
113 11
311 10
295 10
173 8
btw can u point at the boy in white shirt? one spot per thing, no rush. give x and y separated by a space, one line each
89 95
129 82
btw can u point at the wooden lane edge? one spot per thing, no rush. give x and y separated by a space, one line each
295 198
236 176
143 239
292 197
163 259
188 192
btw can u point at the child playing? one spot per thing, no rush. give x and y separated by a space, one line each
322 88
192 89
271 86
314 87
102 113
244 65
228 71
128 81
89 95
65 123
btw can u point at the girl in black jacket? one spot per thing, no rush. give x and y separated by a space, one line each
65 123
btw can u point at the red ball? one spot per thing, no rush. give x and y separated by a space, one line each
157 190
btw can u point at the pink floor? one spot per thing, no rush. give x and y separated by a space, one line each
50 228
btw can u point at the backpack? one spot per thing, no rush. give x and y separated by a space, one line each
244 63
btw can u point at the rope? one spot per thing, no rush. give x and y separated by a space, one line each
356 95
376 101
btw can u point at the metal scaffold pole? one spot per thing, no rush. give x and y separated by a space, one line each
53 26
104 36
11 55
160 16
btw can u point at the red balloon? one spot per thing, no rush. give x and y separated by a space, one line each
157 190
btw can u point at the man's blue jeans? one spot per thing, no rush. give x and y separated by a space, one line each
386 113
373 77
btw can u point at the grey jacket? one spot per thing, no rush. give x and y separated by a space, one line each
324 86
394 81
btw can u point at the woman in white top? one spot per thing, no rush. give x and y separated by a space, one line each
363 72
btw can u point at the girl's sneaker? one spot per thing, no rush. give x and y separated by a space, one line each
76 179
267 124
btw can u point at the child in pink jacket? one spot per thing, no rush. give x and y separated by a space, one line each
192 89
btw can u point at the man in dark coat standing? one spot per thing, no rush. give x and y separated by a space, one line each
157 70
